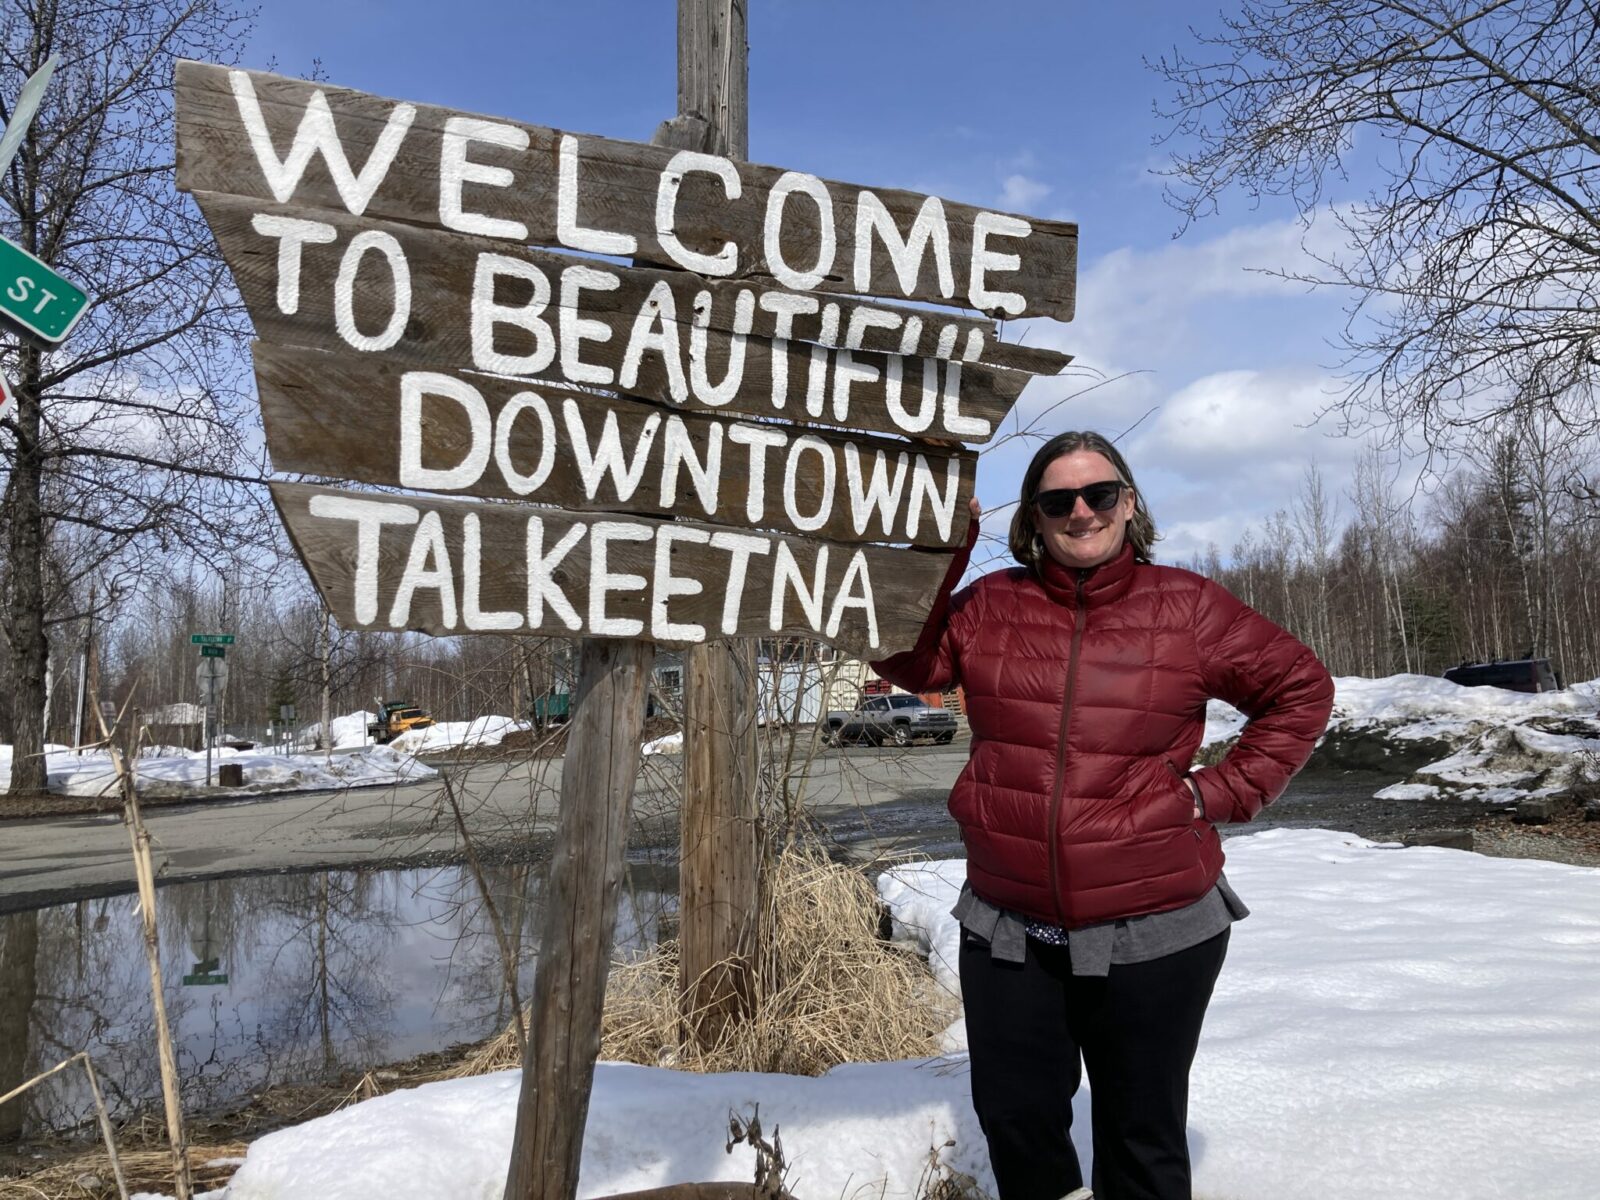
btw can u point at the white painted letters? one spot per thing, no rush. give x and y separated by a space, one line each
984 260
456 170
930 229
292 233
487 312
570 233
812 188
603 581
344 289
317 133
414 385
726 260
370 517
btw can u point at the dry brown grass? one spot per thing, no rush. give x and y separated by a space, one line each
828 990
88 1176
76 1170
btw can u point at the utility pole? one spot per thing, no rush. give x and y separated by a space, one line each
718 854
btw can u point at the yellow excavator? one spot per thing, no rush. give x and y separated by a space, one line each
396 717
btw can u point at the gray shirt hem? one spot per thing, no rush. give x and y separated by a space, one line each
1095 948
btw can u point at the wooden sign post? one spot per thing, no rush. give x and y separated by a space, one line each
718 856
755 438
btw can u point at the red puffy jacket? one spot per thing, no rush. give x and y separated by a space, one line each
1086 694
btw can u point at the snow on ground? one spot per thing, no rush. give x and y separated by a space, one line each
1417 698
1391 1022
1503 745
672 743
175 772
450 735
348 730
351 730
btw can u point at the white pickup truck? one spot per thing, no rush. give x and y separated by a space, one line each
899 718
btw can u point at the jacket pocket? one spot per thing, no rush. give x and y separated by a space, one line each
1196 823
1165 804
1186 794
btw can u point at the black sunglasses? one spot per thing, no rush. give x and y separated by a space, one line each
1101 497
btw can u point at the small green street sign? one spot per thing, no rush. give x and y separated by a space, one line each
211 639
213 652
206 979
34 300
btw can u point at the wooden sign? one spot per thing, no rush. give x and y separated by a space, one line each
752 373
429 297
449 567
481 435
291 141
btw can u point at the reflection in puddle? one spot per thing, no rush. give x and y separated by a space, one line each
271 979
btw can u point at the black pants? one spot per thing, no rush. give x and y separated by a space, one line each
1136 1031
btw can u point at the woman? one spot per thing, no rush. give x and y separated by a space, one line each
1096 917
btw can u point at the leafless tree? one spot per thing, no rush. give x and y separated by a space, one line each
133 438
1474 263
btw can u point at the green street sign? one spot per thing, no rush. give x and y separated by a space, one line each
34 300
205 979
211 639
213 652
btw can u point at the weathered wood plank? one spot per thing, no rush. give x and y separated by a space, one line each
840 323
447 567
435 167
371 420
579 920
595 324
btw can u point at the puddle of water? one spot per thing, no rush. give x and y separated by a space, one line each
269 979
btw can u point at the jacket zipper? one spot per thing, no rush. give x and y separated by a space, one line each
1061 753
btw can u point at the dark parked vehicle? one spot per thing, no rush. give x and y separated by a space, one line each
1515 675
899 718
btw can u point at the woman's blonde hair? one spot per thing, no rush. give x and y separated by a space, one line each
1027 547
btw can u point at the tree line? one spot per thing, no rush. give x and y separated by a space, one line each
1495 563
1499 560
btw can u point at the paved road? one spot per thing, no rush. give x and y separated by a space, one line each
507 808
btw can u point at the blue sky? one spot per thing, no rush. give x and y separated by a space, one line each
1039 107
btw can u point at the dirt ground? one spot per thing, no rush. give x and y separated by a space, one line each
1567 839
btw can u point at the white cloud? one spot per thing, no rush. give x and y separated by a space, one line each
1228 450
1146 309
1019 193
1234 418
1226 375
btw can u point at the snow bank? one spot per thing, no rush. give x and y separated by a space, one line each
450 735
672 743
348 730
178 772
1391 1022
860 1126
1425 697
1502 746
